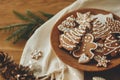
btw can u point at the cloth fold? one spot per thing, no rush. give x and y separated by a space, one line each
49 63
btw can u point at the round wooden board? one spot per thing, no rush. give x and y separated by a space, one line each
68 59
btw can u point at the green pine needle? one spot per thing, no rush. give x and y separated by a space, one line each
35 17
9 27
46 14
22 17
17 32
25 30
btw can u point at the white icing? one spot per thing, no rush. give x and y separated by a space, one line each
83 58
71 38
102 17
108 44
66 44
67 24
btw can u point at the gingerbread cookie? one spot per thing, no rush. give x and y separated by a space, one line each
84 19
100 25
86 35
111 46
113 24
67 24
83 58
108 46
102 61
70 39
85 49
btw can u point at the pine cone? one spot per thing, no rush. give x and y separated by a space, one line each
12 71
5 63
22 73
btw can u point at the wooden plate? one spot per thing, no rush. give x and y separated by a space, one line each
70 60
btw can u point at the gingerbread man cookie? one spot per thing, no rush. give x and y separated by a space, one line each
86 47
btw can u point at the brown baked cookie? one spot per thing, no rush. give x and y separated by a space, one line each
109 46
100 28
86 49
113 24
70 39
67 24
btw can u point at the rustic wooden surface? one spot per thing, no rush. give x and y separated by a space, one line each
7 17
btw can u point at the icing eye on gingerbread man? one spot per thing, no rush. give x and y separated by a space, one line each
86 47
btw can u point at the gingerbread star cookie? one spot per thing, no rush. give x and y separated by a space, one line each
84 19
102 61
85 49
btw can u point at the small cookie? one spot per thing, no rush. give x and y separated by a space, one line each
83 58
102 61
67 24
36 54
84 19
86 47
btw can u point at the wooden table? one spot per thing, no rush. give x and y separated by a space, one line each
50 6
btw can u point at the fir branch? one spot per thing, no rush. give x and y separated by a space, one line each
24 34
46 14
25 30
17 32
12 26
23 17
35 17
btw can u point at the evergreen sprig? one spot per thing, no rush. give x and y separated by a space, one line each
26 29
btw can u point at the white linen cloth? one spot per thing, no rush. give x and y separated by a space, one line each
40 40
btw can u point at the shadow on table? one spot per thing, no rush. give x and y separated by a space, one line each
112 74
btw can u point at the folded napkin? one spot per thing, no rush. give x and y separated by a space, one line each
49 63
